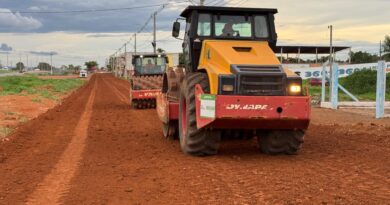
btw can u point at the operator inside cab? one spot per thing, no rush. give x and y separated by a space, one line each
150 64
228 30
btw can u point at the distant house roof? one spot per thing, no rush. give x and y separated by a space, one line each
308 49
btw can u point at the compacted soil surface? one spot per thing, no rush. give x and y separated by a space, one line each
95 149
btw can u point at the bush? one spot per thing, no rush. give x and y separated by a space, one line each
362 82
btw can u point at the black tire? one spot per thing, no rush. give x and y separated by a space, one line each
134 104
194 141
170 130
281 141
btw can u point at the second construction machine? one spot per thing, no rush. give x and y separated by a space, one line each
146 80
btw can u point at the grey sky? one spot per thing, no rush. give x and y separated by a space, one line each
86 36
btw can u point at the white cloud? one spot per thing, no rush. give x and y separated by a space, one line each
17 22
38 8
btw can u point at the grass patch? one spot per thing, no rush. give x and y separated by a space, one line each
6 71
47 88
9 113
361 84
23 119
36 100
5 131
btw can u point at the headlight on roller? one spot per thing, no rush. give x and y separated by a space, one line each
227 88
294 86
294 89
226 84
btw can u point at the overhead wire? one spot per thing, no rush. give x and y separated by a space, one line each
85 11
144 26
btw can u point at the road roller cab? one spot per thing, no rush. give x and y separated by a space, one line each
146 80
233 84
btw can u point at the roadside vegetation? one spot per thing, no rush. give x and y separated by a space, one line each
6 71
32 85
361 84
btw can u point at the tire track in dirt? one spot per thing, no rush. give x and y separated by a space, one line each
125 85
126 160
148 169
56 184
35 147
118 93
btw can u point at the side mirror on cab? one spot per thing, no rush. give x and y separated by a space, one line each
176 29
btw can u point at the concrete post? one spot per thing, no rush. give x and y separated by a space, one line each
380 89
299 55
335 86
281 55
125 71
323 88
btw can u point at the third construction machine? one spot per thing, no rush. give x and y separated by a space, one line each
146 79
233 84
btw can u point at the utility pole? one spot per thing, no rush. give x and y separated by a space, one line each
20 61
330 57
125 73
51 63
135 43
380 50
331 45
201 2
27 61
7 60
154 32
115 64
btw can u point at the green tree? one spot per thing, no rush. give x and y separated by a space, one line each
363 57
44 66
19 66
386 44
160 50
91 64
77 68
182 59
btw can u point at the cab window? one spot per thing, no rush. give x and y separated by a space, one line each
233 26
261 27
204 23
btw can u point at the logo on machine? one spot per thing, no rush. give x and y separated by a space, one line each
246 107
151 94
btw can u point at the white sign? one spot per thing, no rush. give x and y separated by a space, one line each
207 106
344 70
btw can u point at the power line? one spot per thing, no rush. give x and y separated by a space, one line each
144 26
88 10
214 3
240 3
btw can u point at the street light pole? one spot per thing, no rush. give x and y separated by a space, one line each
135 43
51 63
331 57
125 61
154 32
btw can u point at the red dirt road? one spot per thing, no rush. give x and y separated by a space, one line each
94 149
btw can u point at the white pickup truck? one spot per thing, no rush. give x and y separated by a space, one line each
83 74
